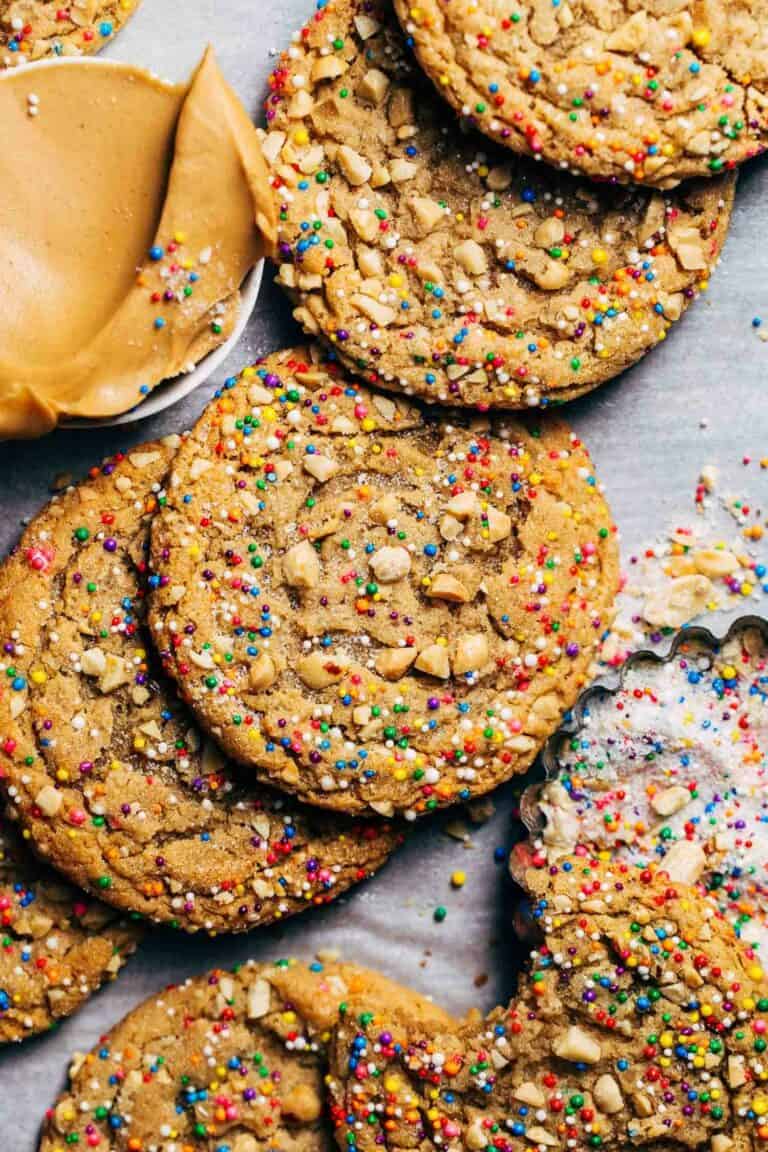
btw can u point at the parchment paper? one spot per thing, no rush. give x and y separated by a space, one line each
646 437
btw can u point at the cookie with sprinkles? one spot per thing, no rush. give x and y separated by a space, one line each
646 90
640 1022
443 267
104 766
379 606
231 1061
57 946
36 29
672 766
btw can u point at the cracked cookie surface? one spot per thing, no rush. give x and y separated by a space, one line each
58 945
104 766
444 267
650 91
379 606
640 1022
35 29
230 1061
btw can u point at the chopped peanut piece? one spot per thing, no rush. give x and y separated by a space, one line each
447 587
262 672
321 467
390 564
471 257
354 167
301 566
319 670
374 86
393 663
578 1046
471 653
434 661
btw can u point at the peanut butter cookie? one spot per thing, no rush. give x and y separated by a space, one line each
35 29
652 91
231 1061
640 1022
58 946
380 607
102 763
441 266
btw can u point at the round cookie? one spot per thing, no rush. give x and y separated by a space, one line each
643 90
640 1022
35 29
58 946
378 606
104 766
231 1061
443 267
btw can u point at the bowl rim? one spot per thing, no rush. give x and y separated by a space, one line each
167 392
88 61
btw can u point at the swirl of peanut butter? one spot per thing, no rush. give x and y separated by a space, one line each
131 211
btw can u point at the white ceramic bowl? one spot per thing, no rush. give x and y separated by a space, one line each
168 392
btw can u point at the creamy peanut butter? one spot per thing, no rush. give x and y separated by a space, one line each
130 212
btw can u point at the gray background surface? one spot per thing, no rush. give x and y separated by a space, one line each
645 434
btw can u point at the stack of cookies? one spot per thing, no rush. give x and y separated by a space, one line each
237 663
